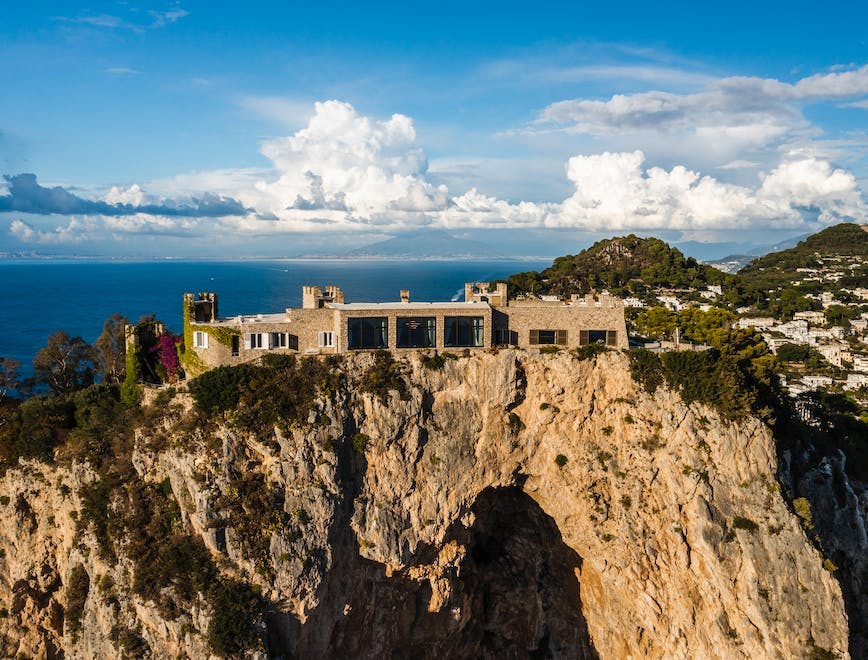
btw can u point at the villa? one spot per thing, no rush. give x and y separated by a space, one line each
327 324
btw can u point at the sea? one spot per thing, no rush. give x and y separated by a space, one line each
41 296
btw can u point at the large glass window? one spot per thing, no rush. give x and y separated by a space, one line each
417 332
370 332
463 331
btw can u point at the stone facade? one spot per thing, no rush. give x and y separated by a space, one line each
326 324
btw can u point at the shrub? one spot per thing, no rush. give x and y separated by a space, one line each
77 589
235 609
220 389
803 510
646 369
607 430
544 406
738 522
360 442
546 350
384 377
436 361
515 423
590 350
560 460
626 501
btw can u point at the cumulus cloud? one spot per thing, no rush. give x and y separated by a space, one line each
749 110
25 195
615 191
348 162
345 172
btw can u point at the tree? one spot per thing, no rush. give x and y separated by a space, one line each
64 364
110 348
8 376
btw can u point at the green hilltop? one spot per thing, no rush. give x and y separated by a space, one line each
847 240
624 262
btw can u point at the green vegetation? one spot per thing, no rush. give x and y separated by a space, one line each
360 442
384 377
736 377
738 522
77 589
590 350
131 392
64 364
785 287
627 263
110 348
436 361
515 423
280 392
711 327
560 460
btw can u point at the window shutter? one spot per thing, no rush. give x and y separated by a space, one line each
583 337
612 337
561 337
534 336
247 338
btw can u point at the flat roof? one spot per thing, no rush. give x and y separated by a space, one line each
408 305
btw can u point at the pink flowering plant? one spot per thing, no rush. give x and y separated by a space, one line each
166 352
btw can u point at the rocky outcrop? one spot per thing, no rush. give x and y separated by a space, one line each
511 504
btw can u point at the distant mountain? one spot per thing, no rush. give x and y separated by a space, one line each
424 244
732 263
844 240
615 262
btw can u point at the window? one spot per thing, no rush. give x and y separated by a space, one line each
505 337
371 332
255 340
236 345
596 336
548 337
277 340
200 339
417 332
463 331
326 338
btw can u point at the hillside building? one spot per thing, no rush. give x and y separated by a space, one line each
327 324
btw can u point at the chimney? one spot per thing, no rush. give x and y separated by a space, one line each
405 295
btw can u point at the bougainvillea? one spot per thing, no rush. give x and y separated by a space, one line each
166 351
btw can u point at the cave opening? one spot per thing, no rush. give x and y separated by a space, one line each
514 595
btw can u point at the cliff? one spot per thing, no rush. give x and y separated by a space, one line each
505 504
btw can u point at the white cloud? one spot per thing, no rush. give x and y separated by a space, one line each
750 111
614 192
345 172
22 231
132 195
343 161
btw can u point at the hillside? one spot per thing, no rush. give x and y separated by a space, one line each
507 504
845 243
624 262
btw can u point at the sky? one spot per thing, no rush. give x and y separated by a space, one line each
278 129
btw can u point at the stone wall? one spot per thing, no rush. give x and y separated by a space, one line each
523 316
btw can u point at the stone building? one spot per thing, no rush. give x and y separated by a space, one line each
327 324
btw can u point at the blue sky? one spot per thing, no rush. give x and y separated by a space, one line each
226 129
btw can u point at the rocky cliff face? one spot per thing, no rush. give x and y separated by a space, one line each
509 505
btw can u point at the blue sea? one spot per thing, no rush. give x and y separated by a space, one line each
39 297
